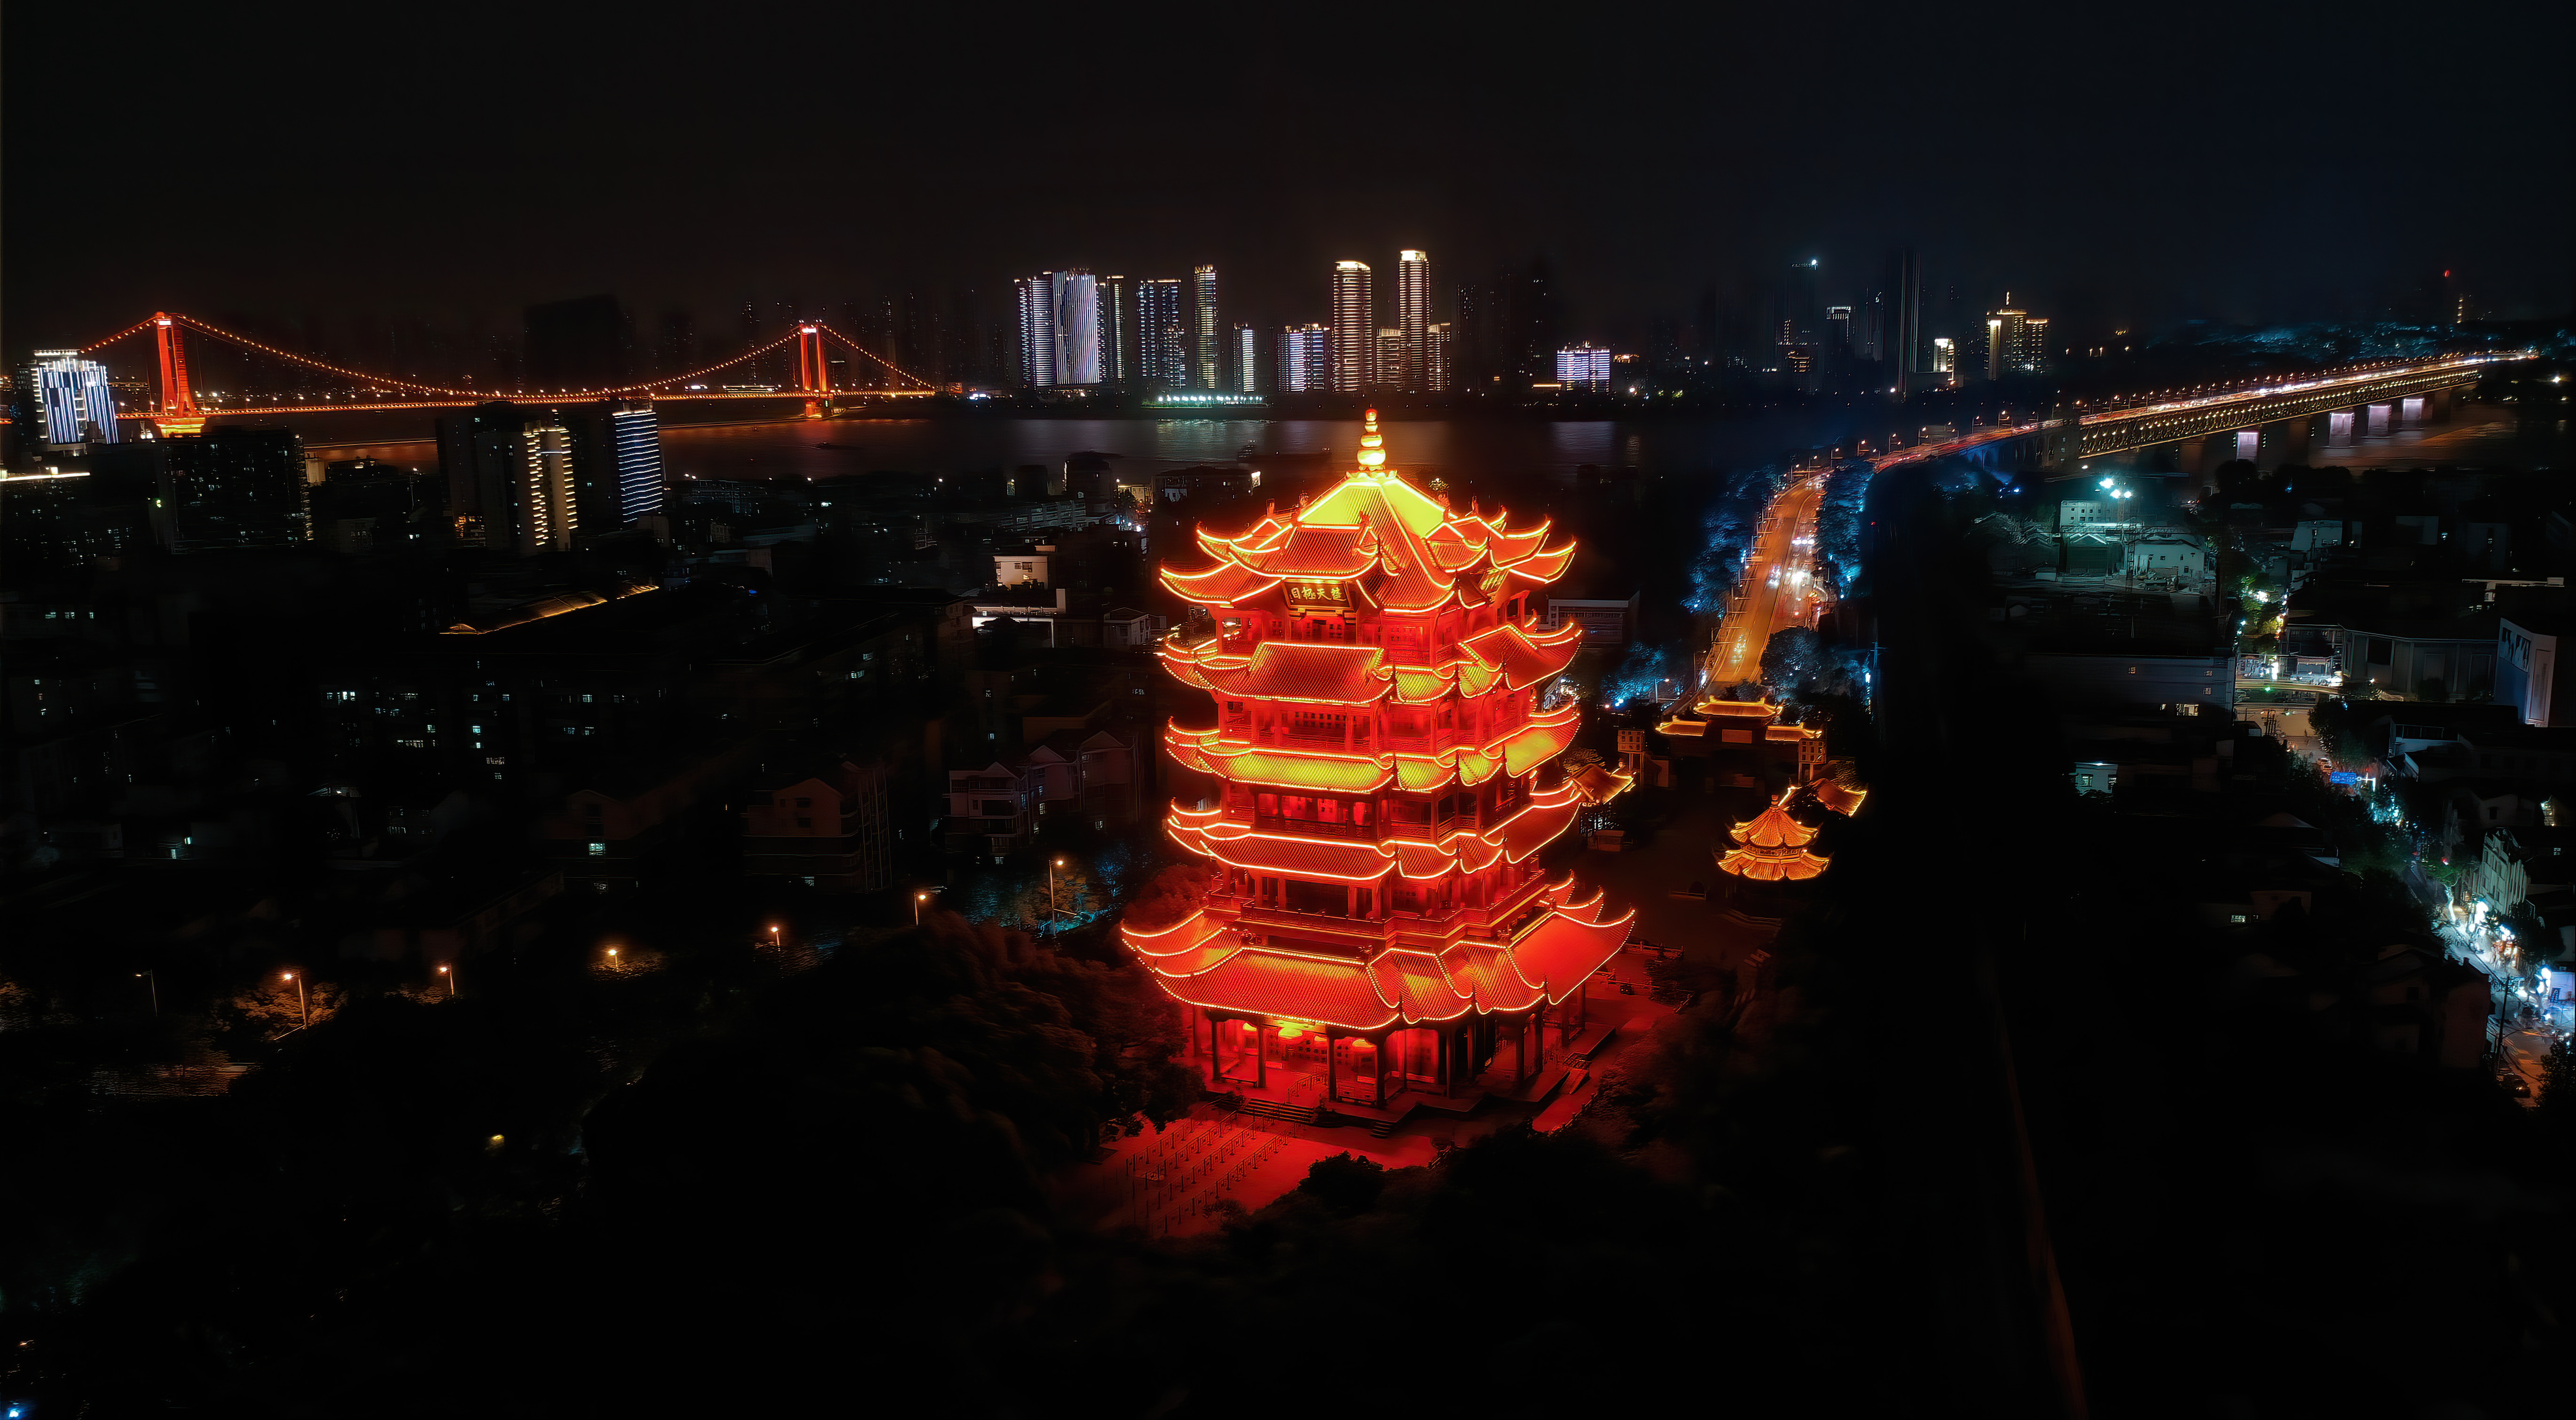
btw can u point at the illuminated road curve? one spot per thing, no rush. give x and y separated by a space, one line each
1778 588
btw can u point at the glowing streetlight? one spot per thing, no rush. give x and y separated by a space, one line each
773 934
450 974
1053 911
917 900
304 1008
155 983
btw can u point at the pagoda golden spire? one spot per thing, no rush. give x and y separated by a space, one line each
1372 446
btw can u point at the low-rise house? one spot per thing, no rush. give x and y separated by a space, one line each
831 828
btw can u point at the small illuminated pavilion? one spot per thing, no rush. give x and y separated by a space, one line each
1385 752
1771 847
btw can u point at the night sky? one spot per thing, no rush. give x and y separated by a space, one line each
2114 164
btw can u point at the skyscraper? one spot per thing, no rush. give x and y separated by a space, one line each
1117 331
510 474
1413 318
1162 334
1037 330
1247 359
616 462
1060 329
1390 357
1801 310
1436 363
74 399
1354 326
1209 344
1904 350
1305 359
1077 327
2016 341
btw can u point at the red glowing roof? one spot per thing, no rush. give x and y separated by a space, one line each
1567 946
1264 982
1420 990
1314 859
1523 660
1599 783
1321 672
1490 978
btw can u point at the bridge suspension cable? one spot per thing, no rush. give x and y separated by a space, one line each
177 399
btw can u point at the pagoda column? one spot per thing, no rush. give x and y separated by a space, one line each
1332 1067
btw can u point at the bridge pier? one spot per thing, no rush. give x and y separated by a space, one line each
2286 441
2379 419
2342 428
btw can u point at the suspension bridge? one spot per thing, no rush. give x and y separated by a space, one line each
178 407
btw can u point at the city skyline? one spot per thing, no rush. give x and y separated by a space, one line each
1641 211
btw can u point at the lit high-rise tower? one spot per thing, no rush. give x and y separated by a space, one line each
1386 755
1208 343
1413 317
1354 326
1162 336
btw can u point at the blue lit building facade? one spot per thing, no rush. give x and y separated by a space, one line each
78 407
635 445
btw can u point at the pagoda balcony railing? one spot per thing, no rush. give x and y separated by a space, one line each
1333 740
1310 828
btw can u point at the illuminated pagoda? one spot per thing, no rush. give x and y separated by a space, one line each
1385 749
1771 847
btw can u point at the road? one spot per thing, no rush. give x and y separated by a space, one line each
1778 588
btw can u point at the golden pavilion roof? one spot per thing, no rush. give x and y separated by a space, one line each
1772 847
1402 548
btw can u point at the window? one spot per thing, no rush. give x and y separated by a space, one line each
599 850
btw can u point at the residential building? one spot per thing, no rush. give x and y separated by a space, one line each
1413 322
1247 361
1605 623
232 488
1162 334
1354 327
2016 341
1436 357
1583 367
1305 359
1207 343
72 398
510 478
1117 330
1060 331
833 829
2527 668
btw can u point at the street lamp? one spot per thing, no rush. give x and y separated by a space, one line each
451 982
773 934
155 983
1053 912
304 1008
917 900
